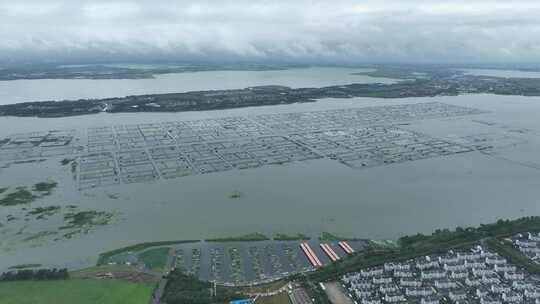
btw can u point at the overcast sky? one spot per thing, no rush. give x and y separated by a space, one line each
303 30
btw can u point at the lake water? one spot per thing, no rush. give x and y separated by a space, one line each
61 89
308 197
502 73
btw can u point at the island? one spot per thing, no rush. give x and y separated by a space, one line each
413 82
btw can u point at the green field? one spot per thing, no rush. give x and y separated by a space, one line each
74 291
383 244
155 259
280 298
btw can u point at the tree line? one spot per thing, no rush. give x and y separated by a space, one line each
35 275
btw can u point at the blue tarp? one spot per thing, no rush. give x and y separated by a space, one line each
241 302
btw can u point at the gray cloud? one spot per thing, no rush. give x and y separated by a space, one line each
302 30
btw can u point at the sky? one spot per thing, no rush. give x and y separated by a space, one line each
445 31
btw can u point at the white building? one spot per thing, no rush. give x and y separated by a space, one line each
513 275
457 295
512 297
498 288
382 280
394 297
432 274
504 268
495 260
409 282
419 291
445 284
371 272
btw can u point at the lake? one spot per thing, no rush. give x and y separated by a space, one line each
62 89
309 197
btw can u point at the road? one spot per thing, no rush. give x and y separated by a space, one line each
156 297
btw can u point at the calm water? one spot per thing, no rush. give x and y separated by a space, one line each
308 197
502 73
60 89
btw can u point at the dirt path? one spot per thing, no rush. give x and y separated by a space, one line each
336 294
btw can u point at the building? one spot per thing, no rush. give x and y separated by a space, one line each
448 259
371 300
430 300
457 295
498 288
473 282
526 243
403 274
419 291
514 276
388 288
426 263
458 275
533 293
371 272
495 260
534 237
410 282
396 266
504 268
468 256
512 297
433 274
454 266
382 280
482 291
490 300
445 284
394 297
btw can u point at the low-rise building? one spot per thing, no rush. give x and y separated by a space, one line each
394 297
371 300
454 266
469 256
526 243
396 266
514 275
363 293
432 274
457 295
371 272
443 259
403 274
495 260
382 280
426 263
532 293
499 288
419 291
490 300
430 300
445 284
410 282
512 297
478 264
521 285
482 291
534 237
388 288
473 282
458 275
504 268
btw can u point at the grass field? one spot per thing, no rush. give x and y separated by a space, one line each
383 244
155 259
280 298
74 291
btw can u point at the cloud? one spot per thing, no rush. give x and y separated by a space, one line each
297 30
